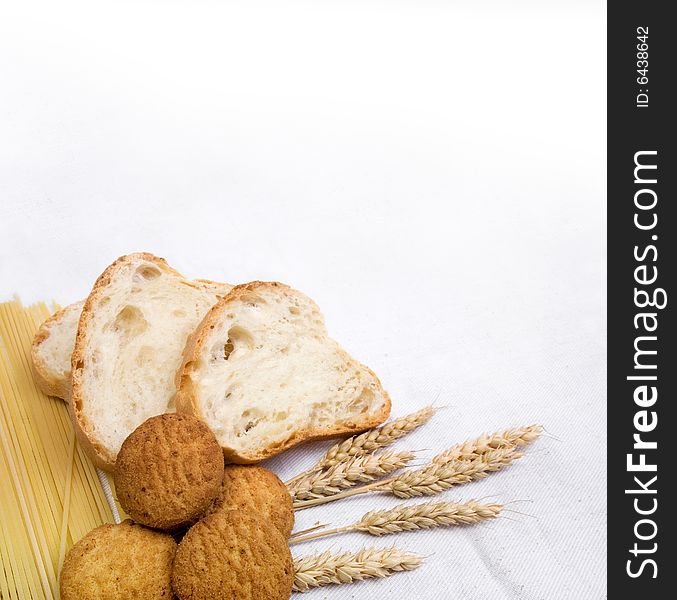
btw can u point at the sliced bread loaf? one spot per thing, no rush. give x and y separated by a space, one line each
52 349
128 346
263 373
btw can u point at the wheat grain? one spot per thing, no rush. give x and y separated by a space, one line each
430 479
377 438
345 474
327 568
470 449
435 478
368 442
409 517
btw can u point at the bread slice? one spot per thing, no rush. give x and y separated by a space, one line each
262 372
128 346
52 349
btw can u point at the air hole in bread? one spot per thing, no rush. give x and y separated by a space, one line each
232 389
252 299
146 273
129 323
239 341
144 356
294 310
179 314
362 403
250 418
281 416
320 413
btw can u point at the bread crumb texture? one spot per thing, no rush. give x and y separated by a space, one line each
263 373
128 346
52 349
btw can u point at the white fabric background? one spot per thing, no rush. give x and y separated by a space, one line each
429 172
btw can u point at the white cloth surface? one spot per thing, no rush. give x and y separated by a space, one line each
430 173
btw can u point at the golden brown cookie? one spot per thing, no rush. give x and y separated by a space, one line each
232 555
256 490
119 561
168 471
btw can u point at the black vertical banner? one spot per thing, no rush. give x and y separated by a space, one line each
642 262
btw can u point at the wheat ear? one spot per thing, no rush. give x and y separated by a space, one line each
327 568
409 517
470 449
435 478
369 441
345 474
430 479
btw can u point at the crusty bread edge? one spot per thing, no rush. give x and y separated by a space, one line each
47 383
99 455
186 399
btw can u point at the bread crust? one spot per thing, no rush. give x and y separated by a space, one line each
99 455
45 380
186 399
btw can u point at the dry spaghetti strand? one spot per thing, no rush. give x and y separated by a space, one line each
50 494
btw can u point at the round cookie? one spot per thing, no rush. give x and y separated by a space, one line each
168 471
256 490
231 555
119 561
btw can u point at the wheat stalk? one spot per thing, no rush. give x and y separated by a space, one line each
368 442
409 517
327 568
345 474
470 449
430 479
